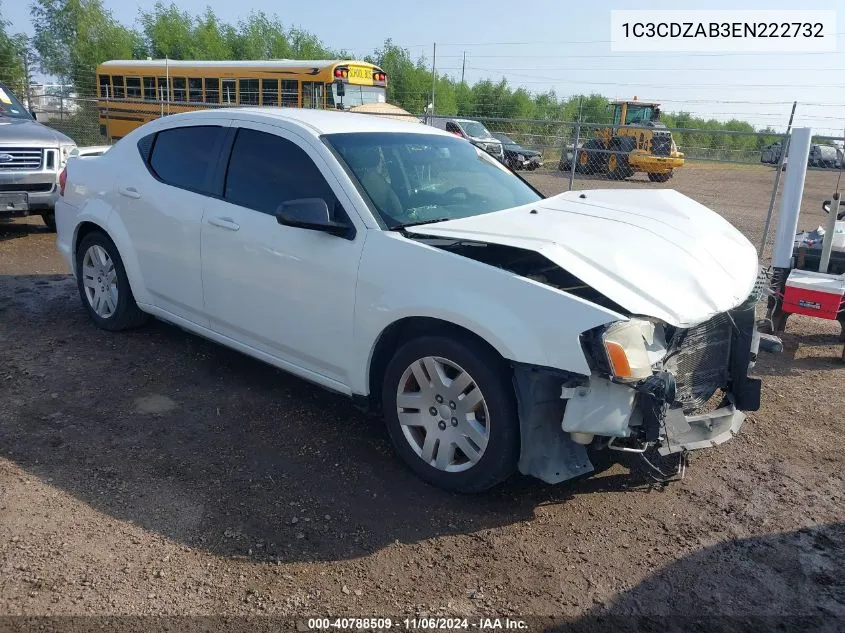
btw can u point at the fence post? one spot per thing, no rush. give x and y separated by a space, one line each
108 121
575 143
574 154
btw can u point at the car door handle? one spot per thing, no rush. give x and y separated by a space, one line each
129 192
224 223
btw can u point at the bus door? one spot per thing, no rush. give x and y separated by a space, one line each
312 94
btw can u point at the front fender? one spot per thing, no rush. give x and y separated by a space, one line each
524 320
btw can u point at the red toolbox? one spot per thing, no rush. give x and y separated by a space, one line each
814 294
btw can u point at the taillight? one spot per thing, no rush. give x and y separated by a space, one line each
62 181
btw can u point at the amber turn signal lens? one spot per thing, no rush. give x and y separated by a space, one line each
619 365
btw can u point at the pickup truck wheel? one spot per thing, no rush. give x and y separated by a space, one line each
103 285
451 412
49 221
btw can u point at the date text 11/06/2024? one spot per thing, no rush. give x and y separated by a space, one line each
416 624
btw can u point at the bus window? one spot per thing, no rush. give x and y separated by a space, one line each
312 94
150 89
105 86
133 87
163 93
117 87
270 92
179 91
248 92
212 90
230 94
290 93
195 90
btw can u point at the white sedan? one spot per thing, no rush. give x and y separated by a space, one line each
495 329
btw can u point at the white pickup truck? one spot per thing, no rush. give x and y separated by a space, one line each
31 157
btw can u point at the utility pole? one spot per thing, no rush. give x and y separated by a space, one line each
433 75
463 67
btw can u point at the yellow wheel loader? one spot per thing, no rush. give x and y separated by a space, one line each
637 141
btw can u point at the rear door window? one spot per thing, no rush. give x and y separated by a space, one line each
185 157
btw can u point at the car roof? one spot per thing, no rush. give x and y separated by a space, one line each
317 122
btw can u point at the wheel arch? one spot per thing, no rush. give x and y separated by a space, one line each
399 332
80 232
88 226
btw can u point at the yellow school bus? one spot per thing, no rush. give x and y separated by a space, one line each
132 92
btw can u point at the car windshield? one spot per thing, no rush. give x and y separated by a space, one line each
505 139
10 106
475 129
418 178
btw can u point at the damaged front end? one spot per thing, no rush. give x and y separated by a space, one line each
649 388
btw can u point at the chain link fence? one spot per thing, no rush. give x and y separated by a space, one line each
564 154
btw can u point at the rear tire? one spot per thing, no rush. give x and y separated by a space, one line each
457 397
590 158
103 285
618 167
49 221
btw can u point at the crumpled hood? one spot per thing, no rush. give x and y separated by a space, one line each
656 253
29 132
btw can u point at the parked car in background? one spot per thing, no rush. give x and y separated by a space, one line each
567 156
92 150
821 155
770 155
31 157
516 156
824 156
473 131
411 271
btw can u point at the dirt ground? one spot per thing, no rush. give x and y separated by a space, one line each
155 473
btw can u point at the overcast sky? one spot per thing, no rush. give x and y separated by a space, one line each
546 44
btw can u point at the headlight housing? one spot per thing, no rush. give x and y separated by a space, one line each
632 347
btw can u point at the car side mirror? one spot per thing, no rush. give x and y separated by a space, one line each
826 206
340 87
312 214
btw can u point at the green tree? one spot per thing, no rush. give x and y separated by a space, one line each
408 83
169 32
13 48
73 36
262 37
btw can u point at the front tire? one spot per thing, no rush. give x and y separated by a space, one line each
103 285
450 410
49 221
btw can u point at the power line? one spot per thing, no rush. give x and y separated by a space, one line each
543 79
549 43
656 54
